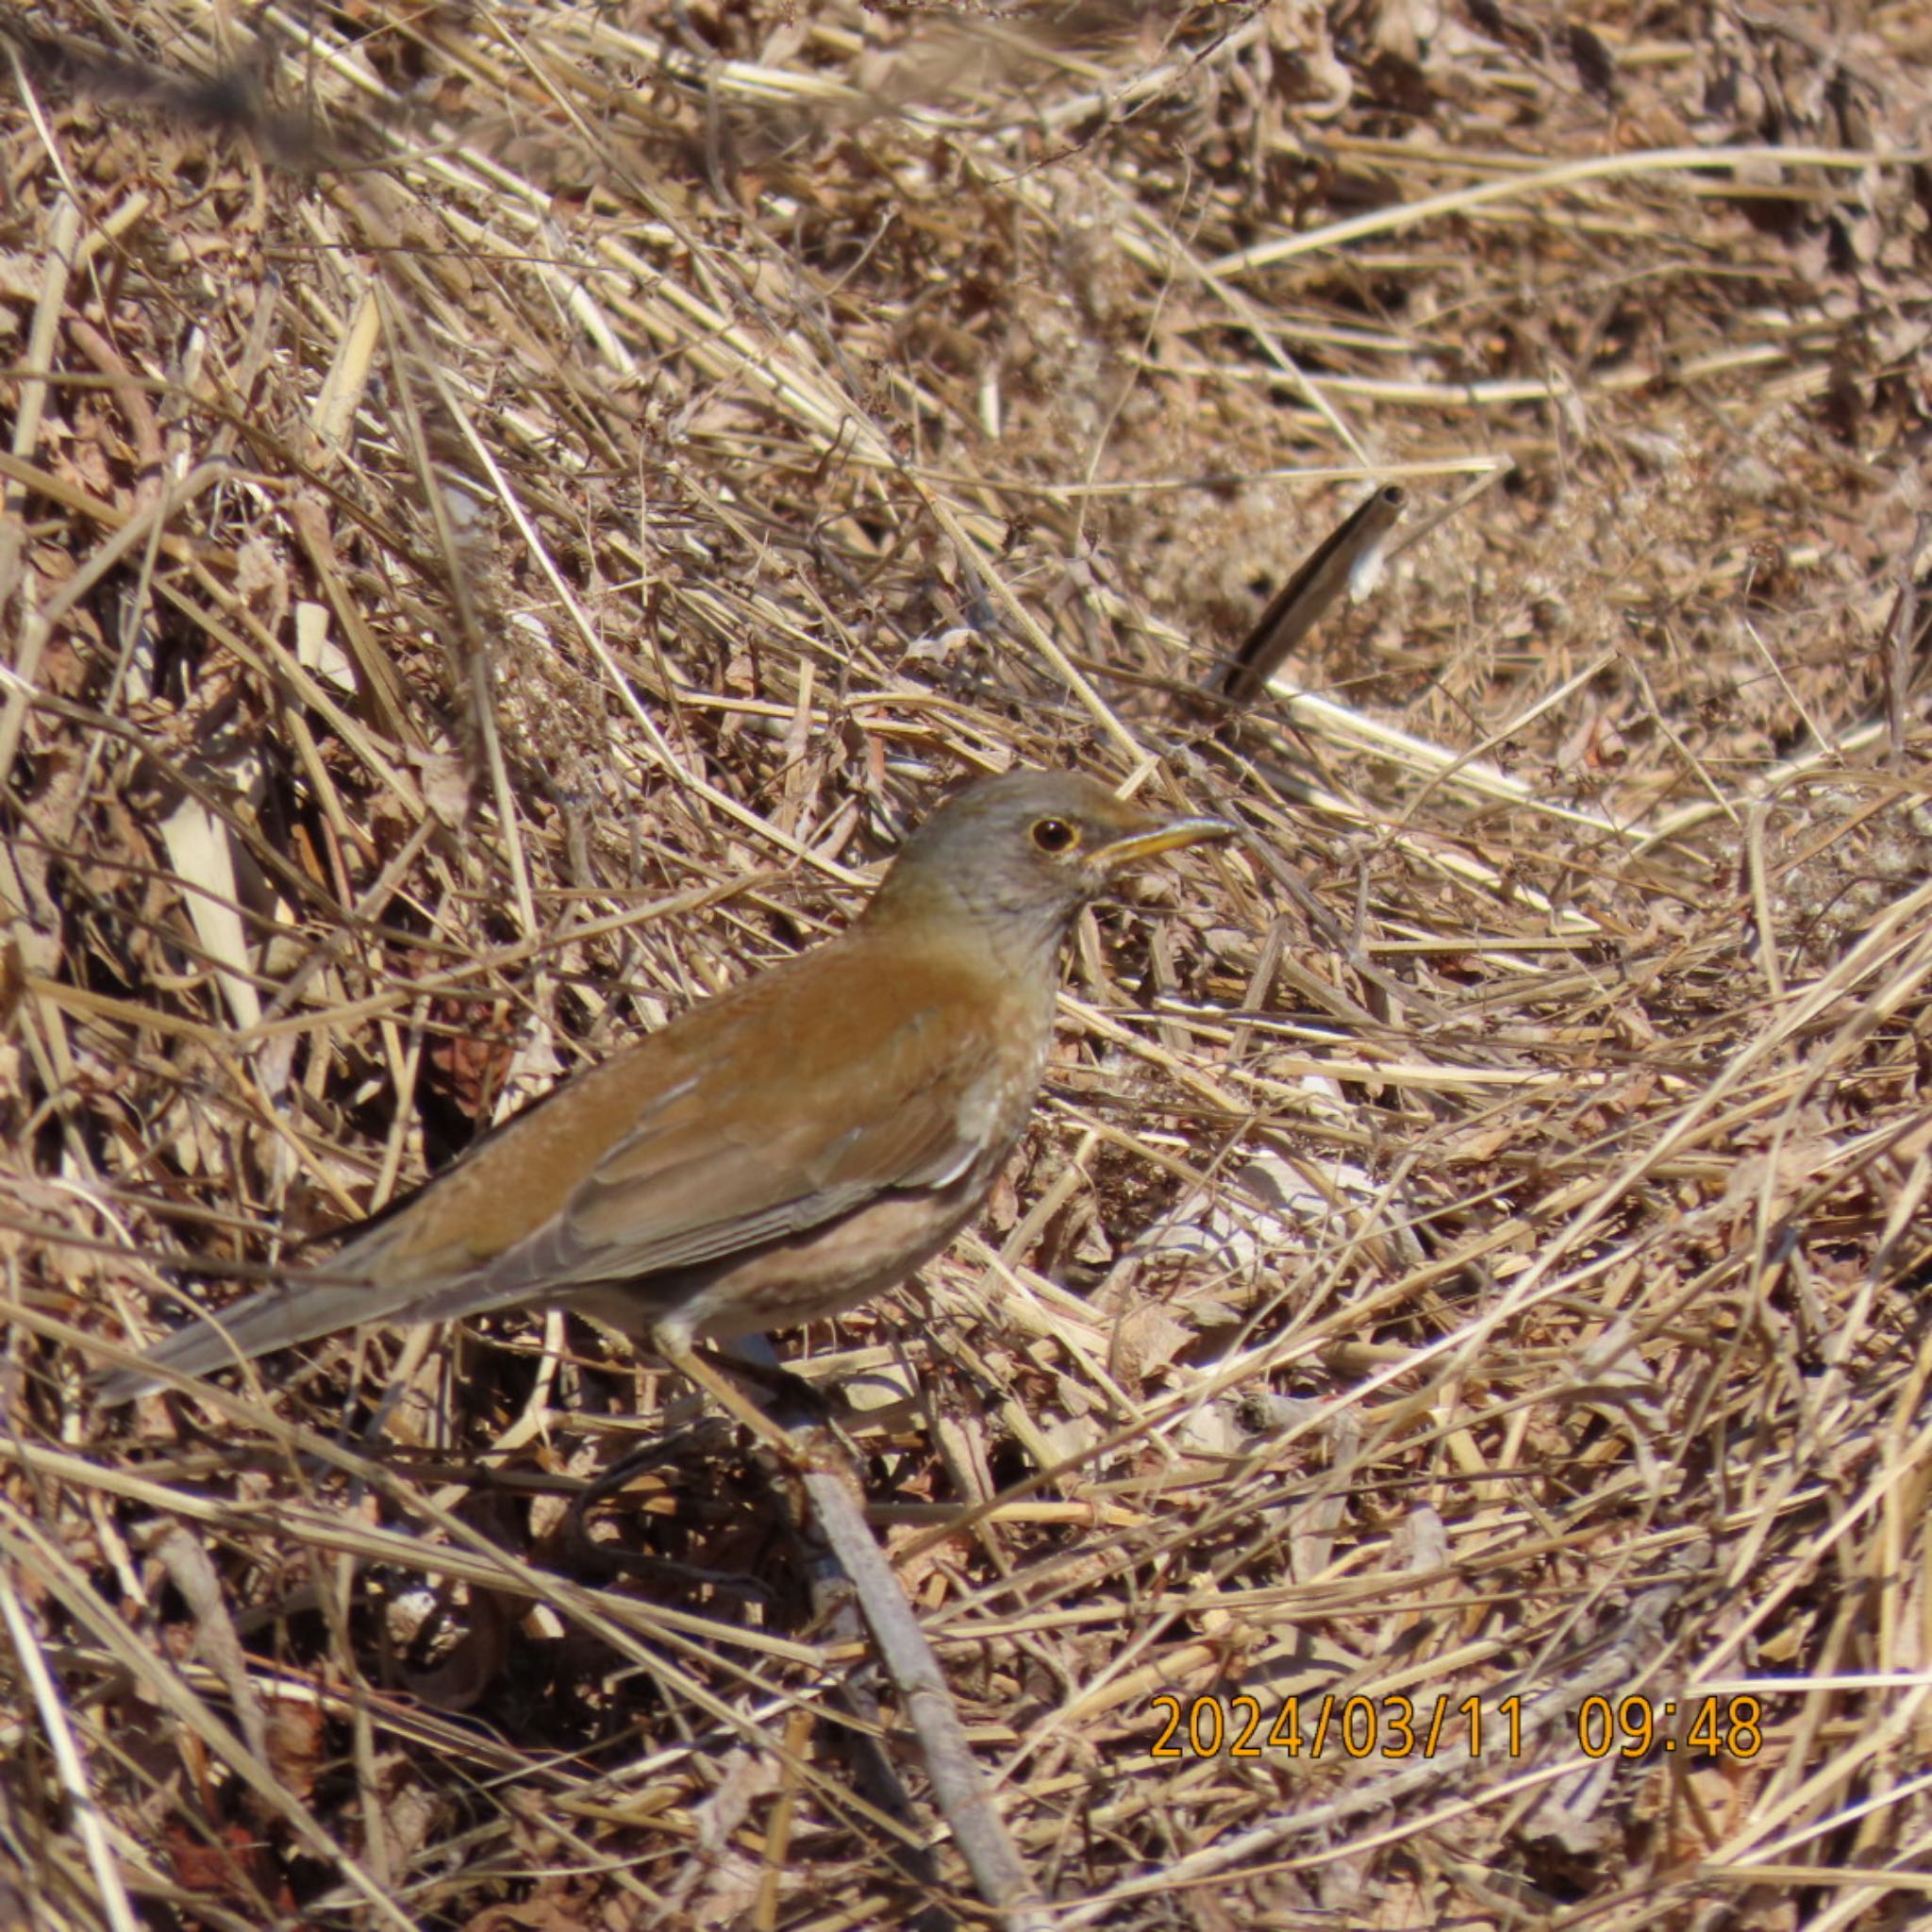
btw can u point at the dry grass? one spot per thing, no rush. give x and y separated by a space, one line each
489 562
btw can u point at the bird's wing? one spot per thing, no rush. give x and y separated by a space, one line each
739 1148
772 1110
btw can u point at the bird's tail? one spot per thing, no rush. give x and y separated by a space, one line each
293 1311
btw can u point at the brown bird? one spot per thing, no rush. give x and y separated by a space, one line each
778 1153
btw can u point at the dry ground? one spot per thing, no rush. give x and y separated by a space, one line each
512 507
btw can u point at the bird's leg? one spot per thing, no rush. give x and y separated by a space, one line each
793 1400
673 1341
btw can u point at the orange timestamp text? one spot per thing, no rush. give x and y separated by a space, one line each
1213 1725
1239 1726
1703 1726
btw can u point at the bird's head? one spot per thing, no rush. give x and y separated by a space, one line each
1027 850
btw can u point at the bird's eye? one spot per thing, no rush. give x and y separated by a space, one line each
1055 835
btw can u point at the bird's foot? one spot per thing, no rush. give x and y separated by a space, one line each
802 1410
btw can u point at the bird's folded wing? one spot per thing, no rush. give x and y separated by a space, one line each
903 1101
733 1127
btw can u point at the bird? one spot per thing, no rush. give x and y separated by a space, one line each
782 1151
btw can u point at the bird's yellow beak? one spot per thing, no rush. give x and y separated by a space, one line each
1151 844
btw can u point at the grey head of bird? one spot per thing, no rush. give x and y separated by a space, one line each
1020 853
